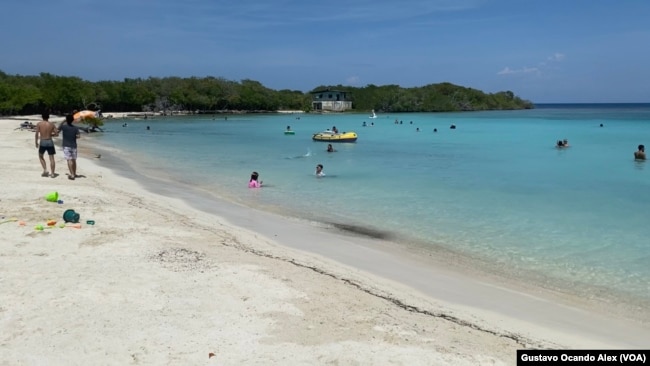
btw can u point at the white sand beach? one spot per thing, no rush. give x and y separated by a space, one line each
156 281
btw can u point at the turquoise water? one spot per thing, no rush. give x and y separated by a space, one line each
495 188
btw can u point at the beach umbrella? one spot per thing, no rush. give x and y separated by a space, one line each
85 114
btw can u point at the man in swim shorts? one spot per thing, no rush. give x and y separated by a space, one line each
45 130
70 134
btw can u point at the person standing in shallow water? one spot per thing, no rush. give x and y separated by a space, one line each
43 141
70 135
640 154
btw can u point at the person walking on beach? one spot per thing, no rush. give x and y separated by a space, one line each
45 130
640 154
70 134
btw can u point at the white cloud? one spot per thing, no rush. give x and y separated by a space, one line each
353 80
556 57
505 71
523 70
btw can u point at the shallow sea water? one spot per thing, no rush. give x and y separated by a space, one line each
494 188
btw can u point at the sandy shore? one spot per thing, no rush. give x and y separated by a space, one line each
157 281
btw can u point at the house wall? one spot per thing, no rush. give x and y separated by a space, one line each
331 100
335 106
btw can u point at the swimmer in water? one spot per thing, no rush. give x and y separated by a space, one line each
319 170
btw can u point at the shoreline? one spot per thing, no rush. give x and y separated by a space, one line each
555 262
500 299
469 268
596 298
219 276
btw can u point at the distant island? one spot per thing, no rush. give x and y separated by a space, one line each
23 95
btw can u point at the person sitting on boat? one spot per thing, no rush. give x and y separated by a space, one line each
319 170
334 129
288 128
640 154
330 148
254 182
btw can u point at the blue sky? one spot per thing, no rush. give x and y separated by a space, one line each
544 51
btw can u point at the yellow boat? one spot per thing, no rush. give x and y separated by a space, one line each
330 136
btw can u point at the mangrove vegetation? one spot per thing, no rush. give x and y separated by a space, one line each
21 95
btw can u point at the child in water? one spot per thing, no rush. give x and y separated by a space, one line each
254 183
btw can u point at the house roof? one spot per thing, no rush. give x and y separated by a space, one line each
328 91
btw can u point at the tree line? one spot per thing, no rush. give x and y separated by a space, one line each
34 94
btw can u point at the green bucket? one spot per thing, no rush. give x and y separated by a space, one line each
52 196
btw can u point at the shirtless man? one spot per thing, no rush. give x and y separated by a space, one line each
640 154
43 141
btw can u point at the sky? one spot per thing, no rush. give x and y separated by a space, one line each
545 51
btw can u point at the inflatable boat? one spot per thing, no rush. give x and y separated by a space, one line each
330 136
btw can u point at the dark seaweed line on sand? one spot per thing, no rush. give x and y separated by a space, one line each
519 339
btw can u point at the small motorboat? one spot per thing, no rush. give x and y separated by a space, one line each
289 132
331 136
